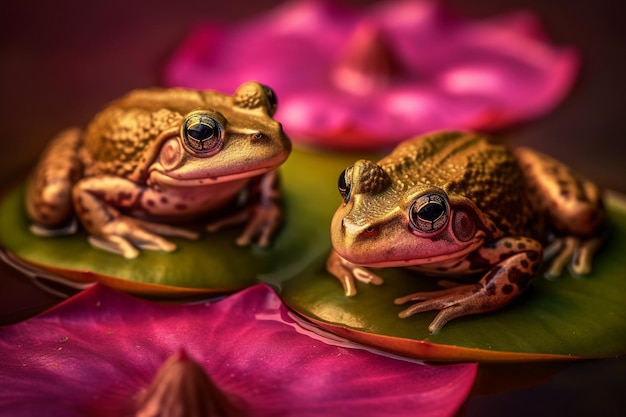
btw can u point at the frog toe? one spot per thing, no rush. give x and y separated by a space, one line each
445 316
443 296
123 246
583 256
166 230
68 229
449 309
115 244
348 273
558 254
572 252
264 233
125 236
149 241
452 303
259 230
366 276
227 221
337 267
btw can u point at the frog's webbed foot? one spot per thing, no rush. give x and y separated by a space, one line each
261 220
346 272
575 252
123 235
452 302
262 215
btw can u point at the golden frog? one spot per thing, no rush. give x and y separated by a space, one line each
456 204
161 156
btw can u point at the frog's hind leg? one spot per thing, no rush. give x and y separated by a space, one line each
49 195
573 208
516 260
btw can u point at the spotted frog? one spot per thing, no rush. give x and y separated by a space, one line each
157 157
456 204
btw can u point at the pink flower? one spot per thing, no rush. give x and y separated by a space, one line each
96 354
363 79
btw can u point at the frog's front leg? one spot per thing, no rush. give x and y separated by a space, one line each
514 262
262 213
346 272
97 201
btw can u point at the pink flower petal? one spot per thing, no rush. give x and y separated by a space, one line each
363 79
96 353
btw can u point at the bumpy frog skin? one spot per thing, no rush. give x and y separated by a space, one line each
162 156
455 204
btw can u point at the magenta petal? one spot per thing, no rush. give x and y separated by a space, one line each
361 79
95 353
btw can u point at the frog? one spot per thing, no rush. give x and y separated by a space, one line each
160 157
461 206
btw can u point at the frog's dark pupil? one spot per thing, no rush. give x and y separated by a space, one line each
202 134
344 186
271 96
431 211
201 131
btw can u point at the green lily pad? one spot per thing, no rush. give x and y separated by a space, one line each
214 263
567 318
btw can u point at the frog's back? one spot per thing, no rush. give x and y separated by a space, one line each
180 100
468 165
120 134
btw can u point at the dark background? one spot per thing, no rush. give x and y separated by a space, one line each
61 61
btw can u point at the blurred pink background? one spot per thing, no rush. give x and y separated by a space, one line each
61 61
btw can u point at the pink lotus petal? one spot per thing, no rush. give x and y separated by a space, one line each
95 354
363 79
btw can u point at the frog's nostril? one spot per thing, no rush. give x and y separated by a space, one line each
370 231
349 228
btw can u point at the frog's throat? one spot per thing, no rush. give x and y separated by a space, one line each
159 178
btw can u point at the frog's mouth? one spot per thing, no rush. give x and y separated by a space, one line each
411 259
163 179
450 258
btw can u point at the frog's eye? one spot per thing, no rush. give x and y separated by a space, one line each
429 213
344 184
202 134
271 98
